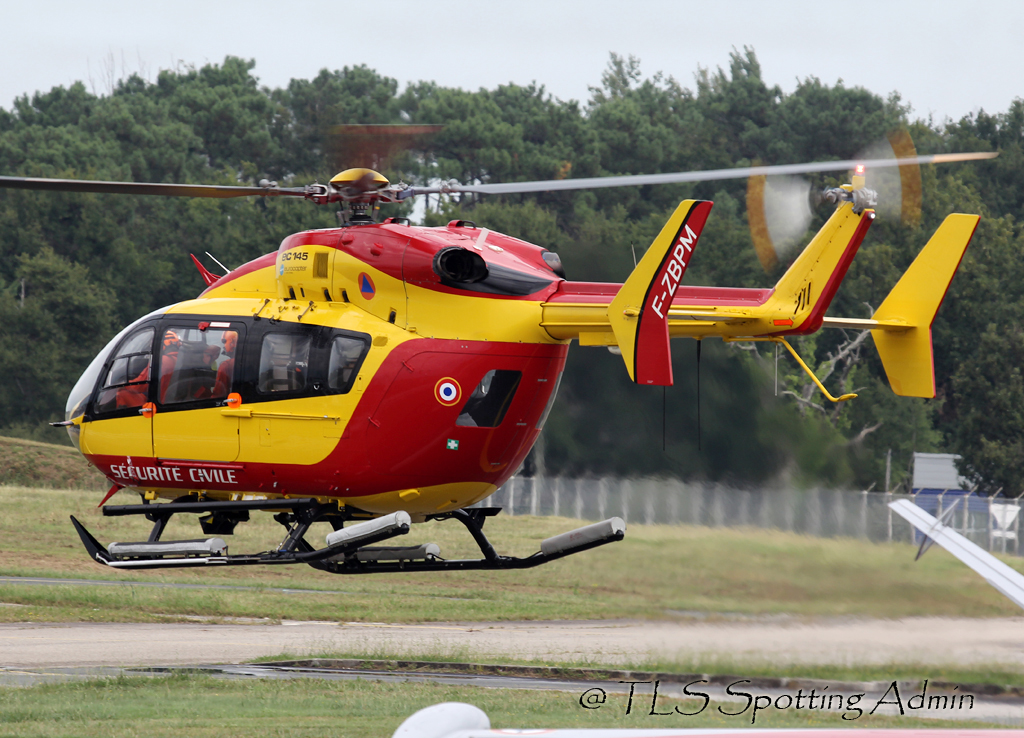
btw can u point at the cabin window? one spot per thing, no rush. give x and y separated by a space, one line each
126 384
197 362
346 356
487 406
284 362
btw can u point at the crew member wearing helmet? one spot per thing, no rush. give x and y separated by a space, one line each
168 360
134 394
226 370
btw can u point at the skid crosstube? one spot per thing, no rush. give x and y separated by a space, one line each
297 516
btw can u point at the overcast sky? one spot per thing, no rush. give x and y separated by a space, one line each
946 58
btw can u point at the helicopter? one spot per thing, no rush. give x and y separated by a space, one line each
381 374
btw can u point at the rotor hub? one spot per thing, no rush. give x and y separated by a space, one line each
359 181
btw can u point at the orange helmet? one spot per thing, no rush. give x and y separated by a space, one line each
171 341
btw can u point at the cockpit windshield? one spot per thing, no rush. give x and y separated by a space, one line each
82 391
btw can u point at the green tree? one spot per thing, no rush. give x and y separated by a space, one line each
55 320
989 431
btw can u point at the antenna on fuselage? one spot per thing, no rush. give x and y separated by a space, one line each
226 270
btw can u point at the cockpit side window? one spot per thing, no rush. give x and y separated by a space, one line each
126 383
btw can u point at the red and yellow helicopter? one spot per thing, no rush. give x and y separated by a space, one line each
380 374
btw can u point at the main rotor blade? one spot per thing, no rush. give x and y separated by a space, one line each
145 188
700 176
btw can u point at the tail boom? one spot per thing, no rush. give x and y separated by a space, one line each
805 291
641 315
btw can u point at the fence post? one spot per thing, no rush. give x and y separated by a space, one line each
533 496
888 522
648 503
812 512
696 498
838 517
625 487
602 497
512 496
579 501
990 523
910 526
1016 529
556 488
743 508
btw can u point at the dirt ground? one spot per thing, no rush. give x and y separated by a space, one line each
938 641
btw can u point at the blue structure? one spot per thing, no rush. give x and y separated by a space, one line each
937 486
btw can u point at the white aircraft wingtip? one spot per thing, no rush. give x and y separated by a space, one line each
444 719
1002 577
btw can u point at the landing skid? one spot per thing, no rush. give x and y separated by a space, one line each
349 548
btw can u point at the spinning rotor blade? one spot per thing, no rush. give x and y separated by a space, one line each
373 184
779 207
779 213
899 190
146 188
633 180
375 145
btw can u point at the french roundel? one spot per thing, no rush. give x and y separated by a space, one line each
447 391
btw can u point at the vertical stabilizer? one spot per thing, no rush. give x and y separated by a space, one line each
905 344
639 312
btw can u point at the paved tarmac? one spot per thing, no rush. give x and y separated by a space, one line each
919 641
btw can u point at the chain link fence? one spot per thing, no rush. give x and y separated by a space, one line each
993 524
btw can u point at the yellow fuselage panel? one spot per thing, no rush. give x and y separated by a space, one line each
130 436
439 315
430 313
204 433
425 500
297 431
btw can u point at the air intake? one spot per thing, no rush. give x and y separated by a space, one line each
458 265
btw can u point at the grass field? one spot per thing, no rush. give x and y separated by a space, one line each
35 464
188 706
667 669
656 572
